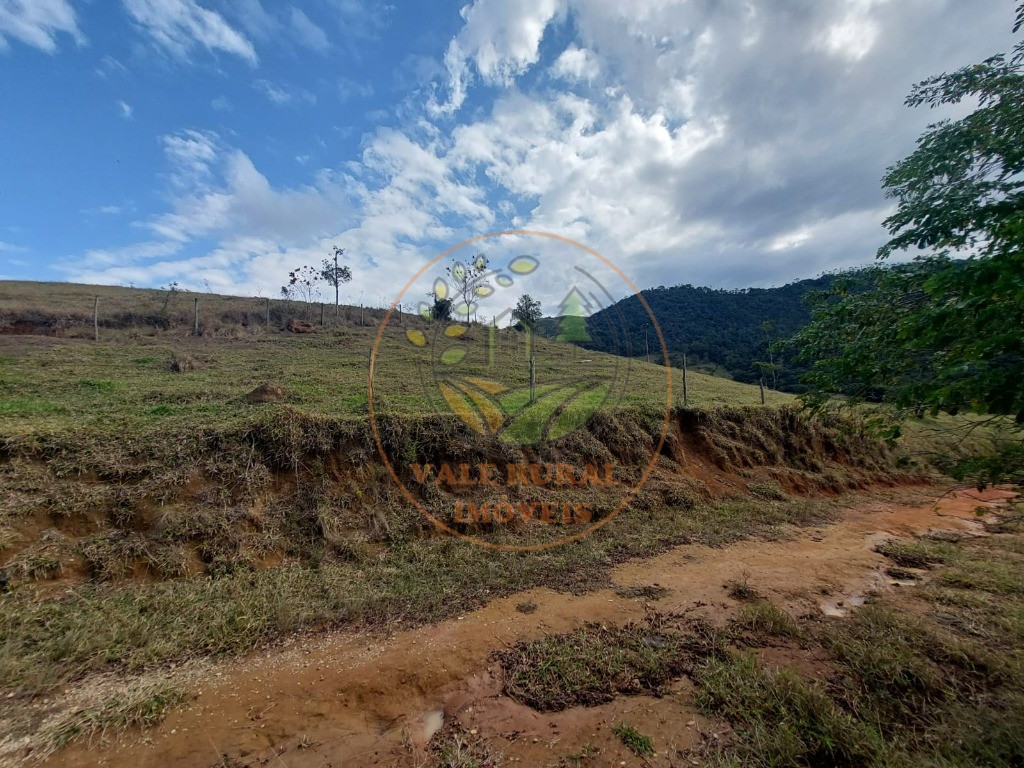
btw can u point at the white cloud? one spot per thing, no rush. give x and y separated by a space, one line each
178 26
125 109
98 258
575 64
37 23
790 240
109 66
109 210
281 95
191 154
853 35
711 144
11 247
242 201
501 39
307 33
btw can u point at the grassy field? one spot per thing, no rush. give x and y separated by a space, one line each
153 380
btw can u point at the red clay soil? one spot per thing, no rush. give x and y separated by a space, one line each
349 699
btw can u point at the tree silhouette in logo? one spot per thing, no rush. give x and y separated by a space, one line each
516 415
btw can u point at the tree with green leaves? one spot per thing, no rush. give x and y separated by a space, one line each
441 309
944 333
527 311
334 274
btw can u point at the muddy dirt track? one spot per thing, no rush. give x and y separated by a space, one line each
347 699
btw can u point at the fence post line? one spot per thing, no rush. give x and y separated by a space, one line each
195 324
268 313
96 317
321 314
533 378
761 384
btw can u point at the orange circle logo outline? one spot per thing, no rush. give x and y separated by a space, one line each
630 495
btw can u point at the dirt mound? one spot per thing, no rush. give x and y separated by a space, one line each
300 326
266 393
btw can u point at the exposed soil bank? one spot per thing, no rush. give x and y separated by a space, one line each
297 486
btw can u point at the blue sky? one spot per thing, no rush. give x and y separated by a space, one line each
221 143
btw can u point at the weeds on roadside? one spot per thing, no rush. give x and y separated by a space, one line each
138 705
942 684
636 742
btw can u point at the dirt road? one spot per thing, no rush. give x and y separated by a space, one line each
353 700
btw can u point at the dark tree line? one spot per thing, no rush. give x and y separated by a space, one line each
727 332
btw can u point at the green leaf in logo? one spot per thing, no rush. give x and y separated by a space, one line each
453 356
576 412
523 265
530 424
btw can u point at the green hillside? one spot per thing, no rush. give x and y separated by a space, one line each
720 331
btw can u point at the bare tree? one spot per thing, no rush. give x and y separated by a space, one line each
303 284
470 283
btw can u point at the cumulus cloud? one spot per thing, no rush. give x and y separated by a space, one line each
499 41
191 154
38 23
576 63
217 194
720 143
726 144
220 192
179 26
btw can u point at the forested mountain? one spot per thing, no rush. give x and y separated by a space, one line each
727 332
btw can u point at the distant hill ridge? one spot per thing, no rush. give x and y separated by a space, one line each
720 331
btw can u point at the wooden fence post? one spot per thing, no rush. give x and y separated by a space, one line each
685 403
490 342
321 314
761 383
268 313
96 317
195 324
533 379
